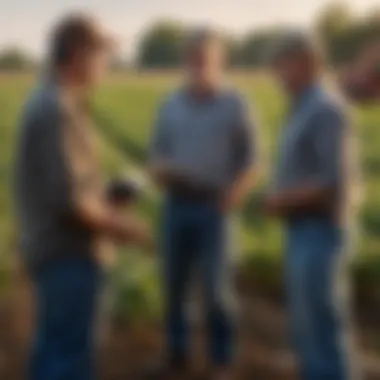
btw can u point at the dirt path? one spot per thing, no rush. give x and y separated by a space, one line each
263 350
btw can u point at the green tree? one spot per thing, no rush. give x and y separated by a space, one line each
256 45
161 45
344 34
234 51
335 27
14 58
334 20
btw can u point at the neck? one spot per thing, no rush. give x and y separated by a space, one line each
304 87
68 79
203 89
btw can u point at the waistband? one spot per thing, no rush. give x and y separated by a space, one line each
194 193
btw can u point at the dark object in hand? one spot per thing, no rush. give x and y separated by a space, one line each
123 191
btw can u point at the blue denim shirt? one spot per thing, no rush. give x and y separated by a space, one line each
312 145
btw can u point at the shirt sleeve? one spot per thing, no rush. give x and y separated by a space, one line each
329 134
159 144
86 191
53 177
69 172
246 144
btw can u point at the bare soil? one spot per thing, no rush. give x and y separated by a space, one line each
263 349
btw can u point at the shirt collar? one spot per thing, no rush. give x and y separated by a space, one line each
206 97
77 98
303 97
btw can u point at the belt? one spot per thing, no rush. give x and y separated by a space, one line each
194 193
313 212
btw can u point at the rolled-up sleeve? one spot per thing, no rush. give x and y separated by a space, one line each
246 140
329 134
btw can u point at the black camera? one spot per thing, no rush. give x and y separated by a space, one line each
123 190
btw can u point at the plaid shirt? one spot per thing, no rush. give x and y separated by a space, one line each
57 173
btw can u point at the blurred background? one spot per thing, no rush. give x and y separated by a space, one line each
146 68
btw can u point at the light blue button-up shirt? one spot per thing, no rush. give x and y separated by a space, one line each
312 145
210 140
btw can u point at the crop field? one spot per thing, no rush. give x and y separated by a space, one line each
124 111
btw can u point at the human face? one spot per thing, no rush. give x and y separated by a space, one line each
292 71
205 64
91 67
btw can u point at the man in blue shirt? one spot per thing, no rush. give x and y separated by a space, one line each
203 155
312 192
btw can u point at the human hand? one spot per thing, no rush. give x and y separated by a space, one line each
230 201
163 171
143 237
132 231
273 205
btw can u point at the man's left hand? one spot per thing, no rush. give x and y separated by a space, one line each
231 201
274 205
235 196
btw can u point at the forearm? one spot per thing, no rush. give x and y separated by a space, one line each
242 186
303 197
93 214
167 174
102 220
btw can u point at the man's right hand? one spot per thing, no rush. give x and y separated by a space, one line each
132 231
163 172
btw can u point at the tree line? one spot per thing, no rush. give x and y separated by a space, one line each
341 31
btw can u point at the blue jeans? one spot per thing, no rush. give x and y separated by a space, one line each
195 236
316 296
66 295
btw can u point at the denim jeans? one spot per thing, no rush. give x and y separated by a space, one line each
66 295
195 236
317 294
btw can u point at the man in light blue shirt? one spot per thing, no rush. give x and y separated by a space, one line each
203 155
311 192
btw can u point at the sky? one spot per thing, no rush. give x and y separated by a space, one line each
26 23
